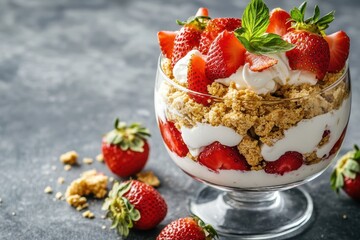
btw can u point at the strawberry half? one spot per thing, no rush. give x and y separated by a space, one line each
339 44
346 174
197 80
288 162
217 156
125 149
214 28
226 55
280 22
172 138
310 54
166 42
189 228
133 204
259 63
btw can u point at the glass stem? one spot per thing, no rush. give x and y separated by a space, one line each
252 200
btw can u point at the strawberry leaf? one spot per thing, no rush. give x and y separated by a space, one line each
253 34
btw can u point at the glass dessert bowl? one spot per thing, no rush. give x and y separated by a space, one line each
253 150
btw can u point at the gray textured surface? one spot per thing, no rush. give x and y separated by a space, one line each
69 67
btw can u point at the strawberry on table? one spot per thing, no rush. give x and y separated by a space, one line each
339 44
217 156
189 228
312 52
279 22
346 174
213 28
133 204
288 162
197 80
172 138
125 149
225 56
166 41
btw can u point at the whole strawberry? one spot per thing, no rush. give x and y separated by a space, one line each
312 51
189 228
125 149
346 174
133 204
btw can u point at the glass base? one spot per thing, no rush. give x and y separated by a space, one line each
254 215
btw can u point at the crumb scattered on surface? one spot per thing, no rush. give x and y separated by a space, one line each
149 178
103 227
69 158
103 216
111 179
88 160
67 167
13 213
58 195
344 216
48 190
53 168
90 183
100 158
88 214
61 180
0 200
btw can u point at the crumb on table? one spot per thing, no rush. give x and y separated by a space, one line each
69 158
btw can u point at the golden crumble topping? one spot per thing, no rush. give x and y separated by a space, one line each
69 158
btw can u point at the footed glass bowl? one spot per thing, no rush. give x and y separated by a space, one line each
253 151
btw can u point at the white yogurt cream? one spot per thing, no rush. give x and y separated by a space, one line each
180 69
305 136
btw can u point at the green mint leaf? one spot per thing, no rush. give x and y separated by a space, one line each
255 18
269 43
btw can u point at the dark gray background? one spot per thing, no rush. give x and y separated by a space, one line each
69 67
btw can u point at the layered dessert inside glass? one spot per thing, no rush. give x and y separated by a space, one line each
252 103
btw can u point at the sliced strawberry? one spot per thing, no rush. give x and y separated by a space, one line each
166 42
214 28
187 39
172 138
279 22
217 156
202 12
288 162
226 55
338 143
339 44
310 54
197 80
259 63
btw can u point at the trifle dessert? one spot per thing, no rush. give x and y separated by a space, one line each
256 102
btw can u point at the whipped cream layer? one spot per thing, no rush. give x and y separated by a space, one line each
202 135
305 136
266 81
248 179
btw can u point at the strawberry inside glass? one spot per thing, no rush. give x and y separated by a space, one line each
254 105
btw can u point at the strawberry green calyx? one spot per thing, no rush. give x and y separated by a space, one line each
252 34
128 137
210 232
314 24
120 210
199 22
348 166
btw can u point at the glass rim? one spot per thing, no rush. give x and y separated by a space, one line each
326 89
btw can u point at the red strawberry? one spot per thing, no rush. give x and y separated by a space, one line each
226 55
288 162
279 22
189 228
134 204
214 28
197 80
217 156
125 148
166 42
187 39
172 138
338 143
259 63
202 12
310 54
346 174
339 44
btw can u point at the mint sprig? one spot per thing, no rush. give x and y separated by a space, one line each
252 34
